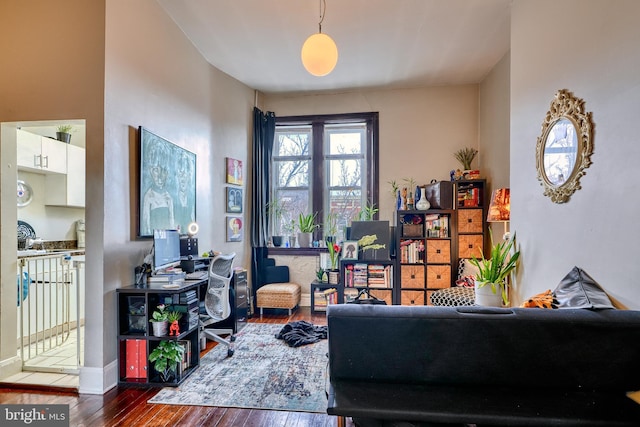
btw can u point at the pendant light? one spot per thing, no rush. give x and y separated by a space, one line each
319 52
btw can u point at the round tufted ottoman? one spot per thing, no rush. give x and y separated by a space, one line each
278 295
452 297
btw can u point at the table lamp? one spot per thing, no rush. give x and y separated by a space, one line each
500 209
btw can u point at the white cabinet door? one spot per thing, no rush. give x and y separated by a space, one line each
68 189
40 154
29 150
54 153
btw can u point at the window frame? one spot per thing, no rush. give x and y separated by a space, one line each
318 168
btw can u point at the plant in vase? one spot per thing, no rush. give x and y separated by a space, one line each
172 319
331 227
165 358
411 183
493 272
160 320
465 156
306 227
334 256
275 211
367 212
63 133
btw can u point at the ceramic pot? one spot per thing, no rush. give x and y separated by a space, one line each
277 241
485 296
423 204
160 328
304 240
334 277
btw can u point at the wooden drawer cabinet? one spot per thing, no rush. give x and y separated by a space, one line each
470 246
438 251
438 276
412 276
470 221
412 298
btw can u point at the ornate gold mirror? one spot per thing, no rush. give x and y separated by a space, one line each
564 148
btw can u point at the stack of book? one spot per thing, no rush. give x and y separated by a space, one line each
186 356
360 274
379 276
412 251
187 303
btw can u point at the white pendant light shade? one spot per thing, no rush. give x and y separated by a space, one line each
319 54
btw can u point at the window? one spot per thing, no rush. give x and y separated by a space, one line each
326 165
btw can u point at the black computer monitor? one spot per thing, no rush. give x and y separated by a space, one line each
166 249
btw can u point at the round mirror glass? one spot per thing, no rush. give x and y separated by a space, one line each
560 151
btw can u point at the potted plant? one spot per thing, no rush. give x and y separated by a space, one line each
334 255
367 212
465 156
165 358
160 320
493 273
172 319
331 227
275 212
63 133
306 226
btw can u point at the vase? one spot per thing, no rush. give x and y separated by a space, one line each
486 297
277 241
160 328
423 204
304 239
334 276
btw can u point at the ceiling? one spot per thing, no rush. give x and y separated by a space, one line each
381 43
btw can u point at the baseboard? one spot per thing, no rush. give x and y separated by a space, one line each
10 366
98 380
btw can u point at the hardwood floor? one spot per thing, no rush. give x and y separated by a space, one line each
127 406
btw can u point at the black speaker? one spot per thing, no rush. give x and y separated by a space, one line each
188 246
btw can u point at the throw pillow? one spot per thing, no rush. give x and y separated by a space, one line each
541 300
578 290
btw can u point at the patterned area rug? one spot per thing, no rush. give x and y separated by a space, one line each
263 373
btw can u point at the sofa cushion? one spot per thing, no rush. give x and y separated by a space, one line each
579 290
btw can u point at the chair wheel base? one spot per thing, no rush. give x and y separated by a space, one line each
232 338
229 352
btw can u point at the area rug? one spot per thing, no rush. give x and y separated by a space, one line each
263 373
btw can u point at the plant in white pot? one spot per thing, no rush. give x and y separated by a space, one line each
306 226
160 321
491 281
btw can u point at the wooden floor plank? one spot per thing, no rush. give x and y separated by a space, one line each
127 406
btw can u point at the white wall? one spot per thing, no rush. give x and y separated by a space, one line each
589 47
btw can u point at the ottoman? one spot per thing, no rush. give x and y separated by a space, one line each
456 296
278 295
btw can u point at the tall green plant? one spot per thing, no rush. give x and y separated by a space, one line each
367 212
307 222
495 269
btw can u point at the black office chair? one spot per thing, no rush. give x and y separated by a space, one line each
217 306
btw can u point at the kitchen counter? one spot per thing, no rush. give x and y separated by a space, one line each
29 253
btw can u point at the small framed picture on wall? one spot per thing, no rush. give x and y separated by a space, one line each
234 200
350 250
235 229
234 171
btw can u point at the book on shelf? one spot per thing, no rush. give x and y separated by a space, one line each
185 363
331 296
379 276
412 251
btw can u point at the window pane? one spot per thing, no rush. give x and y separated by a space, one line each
292 141
292 173
345 173
345 139
345 204
293 202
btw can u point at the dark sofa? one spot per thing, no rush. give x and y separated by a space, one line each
404 365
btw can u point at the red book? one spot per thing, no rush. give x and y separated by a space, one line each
136 359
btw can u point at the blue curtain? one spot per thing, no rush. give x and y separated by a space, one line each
264 129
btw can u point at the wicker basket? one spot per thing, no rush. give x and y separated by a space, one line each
411 230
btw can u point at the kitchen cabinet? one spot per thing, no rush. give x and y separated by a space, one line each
68 189
37 153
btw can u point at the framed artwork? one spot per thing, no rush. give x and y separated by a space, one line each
234 171
235 229
234 200
373 239
167 175
350 250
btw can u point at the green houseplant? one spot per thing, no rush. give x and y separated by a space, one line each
63 133
165 358
367 212
494 271
306 227
160 320
465 156
275 211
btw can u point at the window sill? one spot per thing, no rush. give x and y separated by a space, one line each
296 251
